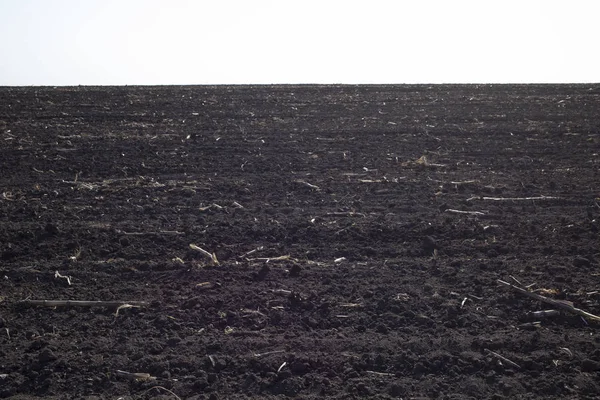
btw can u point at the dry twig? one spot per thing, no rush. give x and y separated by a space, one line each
211 256
67 278
516 280
425 162
345 214
79 303
563 305
281 366
269 259
213 205
204 285
137 376
77 254
165 389
465 212
310 185
124 306
350 305
149 233
566 350
284 292
502 358
267 353
380 373
259 248
513 198
543 314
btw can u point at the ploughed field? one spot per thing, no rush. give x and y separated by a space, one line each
308 241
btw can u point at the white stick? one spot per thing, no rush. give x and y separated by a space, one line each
269 259
58 275
513 198
268 353
310 185
506 360
149 233
80 303
138 376
281 367
124 306
212 257
251 252
379 373
464 212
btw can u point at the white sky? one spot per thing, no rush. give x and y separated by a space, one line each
118 42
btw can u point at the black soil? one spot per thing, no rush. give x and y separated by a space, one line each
360 232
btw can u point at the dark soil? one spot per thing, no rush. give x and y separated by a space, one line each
387 292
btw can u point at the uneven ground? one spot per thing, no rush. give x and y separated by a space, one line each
388 291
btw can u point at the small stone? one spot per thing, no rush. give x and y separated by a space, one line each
284 374
396 390
590 365
295 270
212 377
429 245
46 355
165 375
173 341
51 229
263 272
581 262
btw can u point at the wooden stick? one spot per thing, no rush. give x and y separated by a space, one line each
454 182
78 303
259 248
310 185
269 259
66 277
345 214
138 376
380 373
281 366
282 291
124 306
462 182
165 389
350 305
506 360
149 233
465 212
268 353
516 280
562 304
211 256
513 198
213 205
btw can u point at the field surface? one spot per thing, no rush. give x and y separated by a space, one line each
299 241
